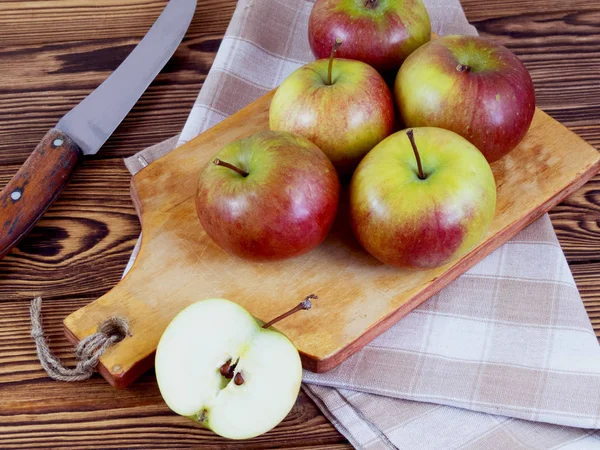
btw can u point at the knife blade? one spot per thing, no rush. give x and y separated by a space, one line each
85 129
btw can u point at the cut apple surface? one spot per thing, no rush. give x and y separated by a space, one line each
217 366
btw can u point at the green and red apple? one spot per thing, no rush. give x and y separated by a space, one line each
216 365
422 200
272 195
381 33
469 85
343 106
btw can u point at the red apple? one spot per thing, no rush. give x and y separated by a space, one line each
343 106
272 195
423 201
381 33
472 86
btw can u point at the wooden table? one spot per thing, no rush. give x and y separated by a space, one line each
53 53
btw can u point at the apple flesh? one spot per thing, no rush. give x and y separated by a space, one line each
381 33
345 119
469 85
411 222
195 350
284 206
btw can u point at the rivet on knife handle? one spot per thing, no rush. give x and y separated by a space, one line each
35 186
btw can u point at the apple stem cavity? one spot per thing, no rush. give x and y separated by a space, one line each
463 68
337 44
411 137
218 162
371 4
304 304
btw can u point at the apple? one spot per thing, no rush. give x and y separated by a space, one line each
381 33
216 365
421 200
272 195
345 108
469 85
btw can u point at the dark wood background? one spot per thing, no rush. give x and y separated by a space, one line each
53 53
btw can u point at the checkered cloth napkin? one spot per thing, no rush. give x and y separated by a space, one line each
504 357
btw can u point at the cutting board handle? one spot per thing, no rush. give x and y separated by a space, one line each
122 362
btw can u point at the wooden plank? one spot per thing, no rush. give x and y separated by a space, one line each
478 11
81 245
136 418
576 223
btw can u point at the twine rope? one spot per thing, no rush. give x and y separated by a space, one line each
88 351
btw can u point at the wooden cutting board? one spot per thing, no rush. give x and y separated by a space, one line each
359 298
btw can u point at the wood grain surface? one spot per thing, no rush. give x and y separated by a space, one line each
79 250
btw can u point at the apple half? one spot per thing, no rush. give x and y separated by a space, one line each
218 367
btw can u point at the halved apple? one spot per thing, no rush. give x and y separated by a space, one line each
217 366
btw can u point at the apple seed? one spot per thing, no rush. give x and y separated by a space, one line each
239 379
227 370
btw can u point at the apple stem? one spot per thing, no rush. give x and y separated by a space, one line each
218 162
304 304
337 44
463 68
371 4
411 138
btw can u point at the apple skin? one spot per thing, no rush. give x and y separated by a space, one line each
412 223
491 105
381 33
345 119
283 208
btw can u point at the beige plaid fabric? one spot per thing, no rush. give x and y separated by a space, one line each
504 357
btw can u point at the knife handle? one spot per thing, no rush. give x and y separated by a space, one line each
35 186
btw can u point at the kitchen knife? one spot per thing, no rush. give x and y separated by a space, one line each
84 129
